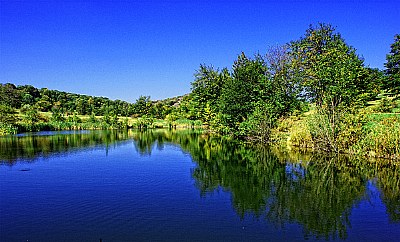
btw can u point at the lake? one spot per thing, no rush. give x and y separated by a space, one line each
184 185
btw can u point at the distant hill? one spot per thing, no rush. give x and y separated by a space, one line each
47 100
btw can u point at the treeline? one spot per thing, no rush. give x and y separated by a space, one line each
319 79
45 100
22 107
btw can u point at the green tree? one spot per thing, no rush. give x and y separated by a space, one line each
143 105
206 92
333 77
57 115
332 74
31 115
7 114
244 90
10 95
261 90
393 67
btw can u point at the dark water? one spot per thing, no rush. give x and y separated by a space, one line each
187 186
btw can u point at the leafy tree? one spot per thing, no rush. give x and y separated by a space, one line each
143 105
284 89
82 105
75 119
206 91
393 67
57 115
10 95
332 74
7 114
374 83
31 114
261 90
45 103
92 118
207 86
241 92
333 77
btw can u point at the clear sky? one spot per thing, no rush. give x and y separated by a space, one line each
124 49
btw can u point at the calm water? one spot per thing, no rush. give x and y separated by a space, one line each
187 186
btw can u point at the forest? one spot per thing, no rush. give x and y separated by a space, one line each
312 93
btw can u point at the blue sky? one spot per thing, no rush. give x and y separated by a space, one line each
124 49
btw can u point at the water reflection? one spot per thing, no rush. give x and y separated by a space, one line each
316 192
27 147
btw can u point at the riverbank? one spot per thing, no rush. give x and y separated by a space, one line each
45 122
367 133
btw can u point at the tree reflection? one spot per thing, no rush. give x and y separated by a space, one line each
317 192
389 184
26 148
319 195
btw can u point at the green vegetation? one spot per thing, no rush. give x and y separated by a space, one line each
268 98
314 92
26 109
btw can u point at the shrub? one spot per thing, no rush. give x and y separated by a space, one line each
385 105
6 128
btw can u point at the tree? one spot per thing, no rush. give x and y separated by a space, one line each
332 76
285 88
143 105
206 90
7 114
241 92
31 114
393 67
10 95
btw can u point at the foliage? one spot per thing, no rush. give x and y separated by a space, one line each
385 105
30 114
372 135
7 114
46 100
57 115
260 91
142 105
9 95
250 101
332 75
206 92
392 66
382 139
335 79
241 92
7 128
145 122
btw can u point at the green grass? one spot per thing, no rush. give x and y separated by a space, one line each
132 122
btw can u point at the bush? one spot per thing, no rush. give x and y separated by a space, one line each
6 128
385 105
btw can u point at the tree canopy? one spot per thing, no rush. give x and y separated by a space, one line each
392 66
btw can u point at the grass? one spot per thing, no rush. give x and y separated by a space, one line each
130 121
369 133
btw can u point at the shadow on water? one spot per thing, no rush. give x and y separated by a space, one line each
314 191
